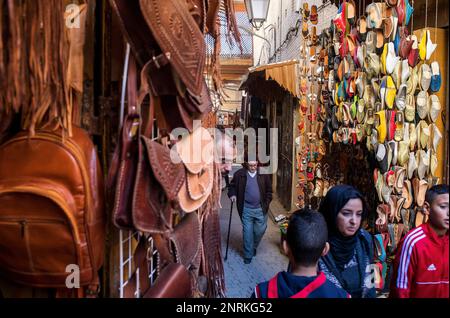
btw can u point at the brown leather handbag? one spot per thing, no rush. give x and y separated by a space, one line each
158 179
51 215
122 173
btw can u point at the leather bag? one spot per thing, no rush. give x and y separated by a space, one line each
51 215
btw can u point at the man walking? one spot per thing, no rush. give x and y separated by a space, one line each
252 193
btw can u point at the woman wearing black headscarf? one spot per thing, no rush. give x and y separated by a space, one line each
349 264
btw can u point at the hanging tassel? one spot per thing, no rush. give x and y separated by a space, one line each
212 264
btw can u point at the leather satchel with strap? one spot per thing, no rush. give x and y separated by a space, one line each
158 179
147 182
122 173
166 32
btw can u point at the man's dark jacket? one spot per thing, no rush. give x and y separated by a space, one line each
237 188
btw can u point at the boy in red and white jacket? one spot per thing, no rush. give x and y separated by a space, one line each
421 264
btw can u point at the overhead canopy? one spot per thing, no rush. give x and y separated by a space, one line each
284 73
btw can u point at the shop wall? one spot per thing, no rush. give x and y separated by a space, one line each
283 17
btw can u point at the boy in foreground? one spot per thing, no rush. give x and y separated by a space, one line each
421 263
306 242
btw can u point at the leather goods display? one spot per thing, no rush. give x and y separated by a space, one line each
51 215
167 39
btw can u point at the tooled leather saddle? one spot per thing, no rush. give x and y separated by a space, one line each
170 33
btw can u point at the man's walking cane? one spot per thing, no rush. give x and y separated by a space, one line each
229 227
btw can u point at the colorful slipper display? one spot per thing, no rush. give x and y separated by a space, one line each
384 97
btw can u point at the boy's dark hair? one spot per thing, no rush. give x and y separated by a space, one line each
307 235
434 191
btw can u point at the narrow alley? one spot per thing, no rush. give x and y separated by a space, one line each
241 278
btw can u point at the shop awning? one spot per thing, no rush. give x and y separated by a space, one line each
284 73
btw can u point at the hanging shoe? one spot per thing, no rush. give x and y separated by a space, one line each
422 103
425 134
423 46
379 44
435 108
305 31
361 53
424 164
388 28
378 181
413 56
410 109
407 194
408 12
400 99
350 13
395 25
383 213
391 59
360 81
371 41
424 77
433 164
400 8
391 124
339 22
412 136
369 96
397 74
430 46
403 153
305 11
399 208
373 16
399 126
314 15
405 72
381 129
412 82
383 58
394 147
362 28
406 132
382 89
386 192
405 47
437 137
436 79
381 157
397 41
391 92
360 111
412 165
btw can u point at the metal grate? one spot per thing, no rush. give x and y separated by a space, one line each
128 240
232 50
